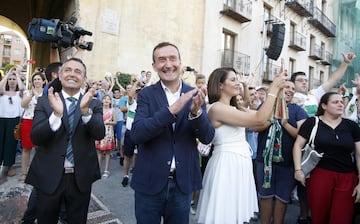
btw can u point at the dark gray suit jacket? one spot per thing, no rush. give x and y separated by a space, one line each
47 167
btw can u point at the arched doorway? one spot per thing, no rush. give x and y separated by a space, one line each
18 18
16 29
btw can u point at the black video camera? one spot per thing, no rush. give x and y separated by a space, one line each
64 34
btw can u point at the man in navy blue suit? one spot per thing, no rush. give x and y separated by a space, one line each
170 117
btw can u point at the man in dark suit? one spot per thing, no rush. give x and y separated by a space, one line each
65 165
170 116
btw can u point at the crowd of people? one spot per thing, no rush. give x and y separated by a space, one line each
227 151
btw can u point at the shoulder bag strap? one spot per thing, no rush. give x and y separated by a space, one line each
313 132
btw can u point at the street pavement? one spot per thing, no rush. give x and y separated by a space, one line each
120 200
110 201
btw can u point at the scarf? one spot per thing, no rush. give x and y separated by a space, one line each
272 151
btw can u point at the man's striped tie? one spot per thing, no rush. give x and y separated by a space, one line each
71 113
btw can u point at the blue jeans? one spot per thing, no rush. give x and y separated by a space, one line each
170 203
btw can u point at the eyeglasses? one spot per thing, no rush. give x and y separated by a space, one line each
10 100
301 80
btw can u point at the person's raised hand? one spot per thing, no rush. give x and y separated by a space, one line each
198 100
348 57
55 102
86 99
179 104
279 80
356 80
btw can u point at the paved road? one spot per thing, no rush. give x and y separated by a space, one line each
111 202
120 200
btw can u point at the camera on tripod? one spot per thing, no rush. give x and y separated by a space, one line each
63 34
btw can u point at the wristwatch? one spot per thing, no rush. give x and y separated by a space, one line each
197 113
89 112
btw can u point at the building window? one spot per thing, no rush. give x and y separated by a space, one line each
291 68
268 18
322 50
311 77
17 52
229 48
292 33
229 3
5 61
7 51
312 43
322 74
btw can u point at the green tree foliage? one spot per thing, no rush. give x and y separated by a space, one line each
124 79
7 67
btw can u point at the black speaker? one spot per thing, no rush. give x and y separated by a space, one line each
276 41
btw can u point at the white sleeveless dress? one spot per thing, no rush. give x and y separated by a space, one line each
229 195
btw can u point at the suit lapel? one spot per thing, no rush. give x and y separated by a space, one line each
186 108
65 119
161 99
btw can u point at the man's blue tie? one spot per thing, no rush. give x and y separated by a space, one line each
71 113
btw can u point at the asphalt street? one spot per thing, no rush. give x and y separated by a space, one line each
110 203
120 200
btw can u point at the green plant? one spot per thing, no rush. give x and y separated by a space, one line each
7 67
124 79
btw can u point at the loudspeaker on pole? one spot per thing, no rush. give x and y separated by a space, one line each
276 41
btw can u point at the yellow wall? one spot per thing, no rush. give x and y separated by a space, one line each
141 25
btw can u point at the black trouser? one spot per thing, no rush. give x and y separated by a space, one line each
30 213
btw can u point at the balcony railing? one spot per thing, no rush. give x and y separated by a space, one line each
301 7
239 61
271 70
316 52
327 58
238 10
297 41
323 23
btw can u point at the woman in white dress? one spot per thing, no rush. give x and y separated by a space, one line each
229 193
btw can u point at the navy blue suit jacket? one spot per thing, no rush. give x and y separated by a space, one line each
157 142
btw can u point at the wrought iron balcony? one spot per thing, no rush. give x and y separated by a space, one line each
271 70
238 10
316 52
297 41
302 7
239 61
327 58
323 23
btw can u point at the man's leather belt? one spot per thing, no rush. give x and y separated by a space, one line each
69 170
172 175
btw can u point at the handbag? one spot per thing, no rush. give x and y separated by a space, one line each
17 132
310 157
17 129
